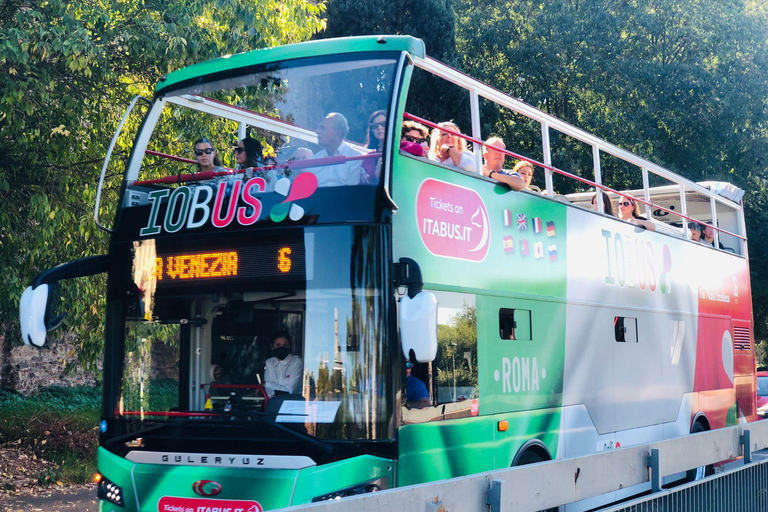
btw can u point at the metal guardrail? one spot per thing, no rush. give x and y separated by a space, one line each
741 490
555 483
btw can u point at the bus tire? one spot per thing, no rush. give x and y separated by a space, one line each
695 474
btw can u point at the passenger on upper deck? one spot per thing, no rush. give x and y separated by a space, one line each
301 154
248 155
205 154
449 149
607 204
630 211
374 140
331 134
708 236
283 372
208 161
414 138
494 164
525 170
695 229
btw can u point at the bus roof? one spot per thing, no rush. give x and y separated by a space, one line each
292 51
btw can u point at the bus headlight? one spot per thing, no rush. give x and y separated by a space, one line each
374 485
110 492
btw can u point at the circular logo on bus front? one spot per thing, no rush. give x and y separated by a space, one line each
206 488
452 221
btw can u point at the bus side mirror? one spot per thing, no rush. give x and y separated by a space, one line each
418 326
32 309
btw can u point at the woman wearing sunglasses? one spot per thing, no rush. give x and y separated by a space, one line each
629 210
374 140
205 154
248 155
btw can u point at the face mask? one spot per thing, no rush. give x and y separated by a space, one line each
281 352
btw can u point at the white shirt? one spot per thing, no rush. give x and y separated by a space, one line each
467 161
285 375
347 173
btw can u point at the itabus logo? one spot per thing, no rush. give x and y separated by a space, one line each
206 488
452 221
192 207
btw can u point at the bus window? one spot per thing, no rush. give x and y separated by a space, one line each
515 324
625 329
151 371
455 368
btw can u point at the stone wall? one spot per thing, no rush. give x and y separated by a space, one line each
27 369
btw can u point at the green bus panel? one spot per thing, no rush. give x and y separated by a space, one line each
473 234
448 449
271 488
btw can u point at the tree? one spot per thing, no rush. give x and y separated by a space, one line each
430 20
67 72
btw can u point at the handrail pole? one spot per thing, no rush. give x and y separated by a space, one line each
545 145
684 210
598 176
647 193
474 107
713 209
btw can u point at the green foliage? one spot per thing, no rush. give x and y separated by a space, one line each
58 424
67 72
430 20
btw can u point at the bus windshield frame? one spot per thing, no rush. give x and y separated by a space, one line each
191 349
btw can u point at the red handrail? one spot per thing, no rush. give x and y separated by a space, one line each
207 175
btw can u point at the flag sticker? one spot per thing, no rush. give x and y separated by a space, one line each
509 245
522 222
524 247
507 218
550 228
552 252
537 224
538 250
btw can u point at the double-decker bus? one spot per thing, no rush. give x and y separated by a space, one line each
541 328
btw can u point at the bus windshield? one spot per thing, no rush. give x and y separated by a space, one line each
325 115
198 345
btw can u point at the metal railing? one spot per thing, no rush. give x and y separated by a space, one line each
555 483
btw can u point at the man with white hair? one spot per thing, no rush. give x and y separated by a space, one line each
494 164
331 134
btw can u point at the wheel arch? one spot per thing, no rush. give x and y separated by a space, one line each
700 417
533 446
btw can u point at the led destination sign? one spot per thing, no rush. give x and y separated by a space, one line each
259 263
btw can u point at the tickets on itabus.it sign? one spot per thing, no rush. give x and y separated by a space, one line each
453 221
175 504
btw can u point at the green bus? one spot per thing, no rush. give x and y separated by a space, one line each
529 326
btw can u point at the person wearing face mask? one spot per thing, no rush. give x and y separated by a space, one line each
283 372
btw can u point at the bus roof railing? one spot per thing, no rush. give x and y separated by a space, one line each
591 183
465 81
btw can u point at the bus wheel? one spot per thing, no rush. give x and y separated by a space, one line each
695 474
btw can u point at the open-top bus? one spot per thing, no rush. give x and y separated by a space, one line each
541 328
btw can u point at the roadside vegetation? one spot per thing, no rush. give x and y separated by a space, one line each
56 424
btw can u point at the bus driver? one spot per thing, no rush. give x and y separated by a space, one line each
283 372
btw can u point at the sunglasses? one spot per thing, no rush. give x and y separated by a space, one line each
238 150
625 203
379 125
207 151
411 138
